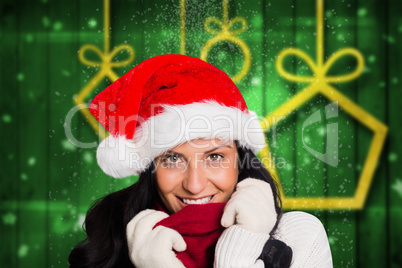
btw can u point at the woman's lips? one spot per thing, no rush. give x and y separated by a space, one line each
196 201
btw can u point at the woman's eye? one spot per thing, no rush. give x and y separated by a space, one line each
171 158
215 157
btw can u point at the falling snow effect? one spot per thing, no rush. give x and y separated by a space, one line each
20 77
6 118
371 58
29 38
46 21
9 218
57 26
159 33
397 187
24 177
87 157
92 23
392 157
68 146
31 161
66 73
23 251
362 12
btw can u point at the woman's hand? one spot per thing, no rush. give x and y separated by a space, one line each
251 207
150 247
251 215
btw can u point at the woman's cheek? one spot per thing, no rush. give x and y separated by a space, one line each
225 180
167 180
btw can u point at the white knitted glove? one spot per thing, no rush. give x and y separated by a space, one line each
251 207
153 247
250 215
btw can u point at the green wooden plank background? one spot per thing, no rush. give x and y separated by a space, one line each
47 183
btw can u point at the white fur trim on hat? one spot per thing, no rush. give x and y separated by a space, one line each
176 124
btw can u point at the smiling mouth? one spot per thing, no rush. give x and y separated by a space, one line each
199 201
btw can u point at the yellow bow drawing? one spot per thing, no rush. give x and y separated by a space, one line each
106 62
320 69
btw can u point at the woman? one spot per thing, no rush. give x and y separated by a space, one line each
203 199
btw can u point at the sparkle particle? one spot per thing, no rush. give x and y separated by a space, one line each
23 251
397 187
6 118
31 161
24 177
20 77
9 218
392 157
68 146
66 73
87 156
46 21
362 12
57 26
92 23
29 38
256 81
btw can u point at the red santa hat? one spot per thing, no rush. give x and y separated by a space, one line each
163 102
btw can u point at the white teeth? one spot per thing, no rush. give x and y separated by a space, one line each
198 201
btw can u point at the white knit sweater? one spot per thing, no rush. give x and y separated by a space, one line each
304 233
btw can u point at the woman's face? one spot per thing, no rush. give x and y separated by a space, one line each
197 172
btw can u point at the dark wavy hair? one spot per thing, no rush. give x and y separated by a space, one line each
106 220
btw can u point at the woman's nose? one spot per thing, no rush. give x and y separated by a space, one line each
196 180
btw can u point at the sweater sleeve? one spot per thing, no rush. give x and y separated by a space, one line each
239 248
306 235
301 231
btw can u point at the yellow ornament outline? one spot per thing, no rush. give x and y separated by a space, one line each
106 64
224 34
319 84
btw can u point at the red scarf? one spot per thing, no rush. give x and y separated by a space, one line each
200 226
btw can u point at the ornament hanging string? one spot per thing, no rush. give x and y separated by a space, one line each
106 65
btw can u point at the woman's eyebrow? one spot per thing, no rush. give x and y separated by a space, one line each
173 152
216 148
